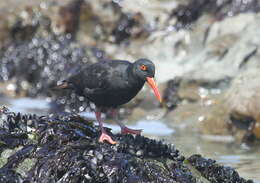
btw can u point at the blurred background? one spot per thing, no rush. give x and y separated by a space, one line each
207 61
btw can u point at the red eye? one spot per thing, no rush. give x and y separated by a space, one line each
143 67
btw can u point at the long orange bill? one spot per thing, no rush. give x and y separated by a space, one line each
153 85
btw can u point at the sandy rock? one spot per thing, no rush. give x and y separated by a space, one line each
215 121
226 52
137 114
207 113
232 25
244 95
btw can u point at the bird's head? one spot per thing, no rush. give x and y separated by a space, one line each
144 69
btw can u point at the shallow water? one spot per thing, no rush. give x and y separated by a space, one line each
246 162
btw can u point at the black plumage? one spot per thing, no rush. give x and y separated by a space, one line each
111 83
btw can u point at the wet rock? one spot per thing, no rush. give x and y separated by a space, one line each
247 124
36 58
69 16
241 121
12 25
7 175
119 24
190 91
232 47
220 111
128 26
170 93
214 172
189 12
43 60
4 28
62 17
203 52
215 121
201 108
209 117
211 51
67 150
23 32
36 65
242 99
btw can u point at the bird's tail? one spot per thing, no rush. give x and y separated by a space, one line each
62 85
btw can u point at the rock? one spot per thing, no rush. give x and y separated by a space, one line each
207 116
170 94
230 26
208 52
35 66
230 51
217 173
193 9
32 62
243 99
242 127
67 150
222 112
221 41
4 28
186 116
69 16
215 120
216 48
128 26
202 108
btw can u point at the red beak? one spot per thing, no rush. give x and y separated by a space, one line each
153 85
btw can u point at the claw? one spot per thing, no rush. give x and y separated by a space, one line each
125 130
106 137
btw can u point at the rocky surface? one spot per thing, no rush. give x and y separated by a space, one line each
171 96
220 34
66 149
205 52
48 60
192 10
41 50
244 105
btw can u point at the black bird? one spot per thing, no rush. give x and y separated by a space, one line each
111 83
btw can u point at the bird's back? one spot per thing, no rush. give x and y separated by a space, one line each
107 83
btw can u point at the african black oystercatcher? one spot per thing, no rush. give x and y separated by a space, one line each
111 83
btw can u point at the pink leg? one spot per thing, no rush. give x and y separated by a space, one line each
124 129
104 136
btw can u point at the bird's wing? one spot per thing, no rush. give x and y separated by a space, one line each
92 79
99 78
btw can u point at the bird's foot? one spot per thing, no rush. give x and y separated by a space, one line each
125 130
106 137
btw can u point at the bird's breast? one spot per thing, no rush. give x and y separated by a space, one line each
117 95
